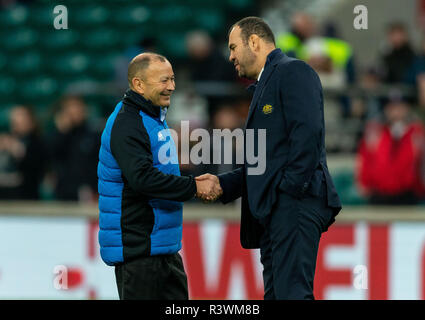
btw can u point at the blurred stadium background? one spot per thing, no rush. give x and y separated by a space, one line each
57 87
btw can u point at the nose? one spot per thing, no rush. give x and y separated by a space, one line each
171 86
231 57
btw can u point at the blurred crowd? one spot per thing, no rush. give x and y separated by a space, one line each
59 160
55 163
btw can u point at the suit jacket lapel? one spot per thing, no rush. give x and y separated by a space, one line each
260 87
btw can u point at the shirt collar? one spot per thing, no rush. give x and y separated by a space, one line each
270 57
163 113
259 76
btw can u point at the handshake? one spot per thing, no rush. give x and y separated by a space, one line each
208 187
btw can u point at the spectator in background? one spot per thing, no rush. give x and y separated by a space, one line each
367 104
417 67
340 52
415 76
330 56
293 42
74 149
391 156
399 56
331 77
327 53
226 118
332 59
22 156
208 65
370 81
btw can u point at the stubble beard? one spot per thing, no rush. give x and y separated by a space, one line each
249 59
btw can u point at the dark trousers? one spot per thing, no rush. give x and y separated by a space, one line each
289 246
160 277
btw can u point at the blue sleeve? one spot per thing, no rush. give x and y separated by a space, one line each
130 146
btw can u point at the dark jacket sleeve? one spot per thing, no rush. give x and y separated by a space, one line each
301 93
231 184
130 146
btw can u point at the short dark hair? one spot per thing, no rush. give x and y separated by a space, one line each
139 64
254 25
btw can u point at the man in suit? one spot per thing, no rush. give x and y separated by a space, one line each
286 208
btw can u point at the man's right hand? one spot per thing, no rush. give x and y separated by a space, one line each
208 187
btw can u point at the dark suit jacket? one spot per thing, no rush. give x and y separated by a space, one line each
288 103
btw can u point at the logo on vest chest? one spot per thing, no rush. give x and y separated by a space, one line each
161 137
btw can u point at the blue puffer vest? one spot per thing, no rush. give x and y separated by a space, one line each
166 234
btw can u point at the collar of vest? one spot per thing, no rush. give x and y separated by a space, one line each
137 101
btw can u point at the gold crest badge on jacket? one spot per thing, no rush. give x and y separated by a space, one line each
267 109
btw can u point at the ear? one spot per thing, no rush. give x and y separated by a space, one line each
254 42
138 85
